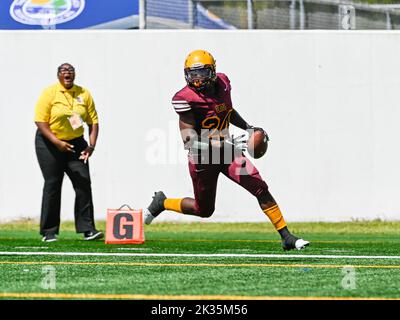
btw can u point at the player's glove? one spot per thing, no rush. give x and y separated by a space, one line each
196 146
200 145
251 129
239 142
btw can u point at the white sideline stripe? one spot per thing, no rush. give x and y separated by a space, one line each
195 255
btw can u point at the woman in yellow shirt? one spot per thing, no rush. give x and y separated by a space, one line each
60 113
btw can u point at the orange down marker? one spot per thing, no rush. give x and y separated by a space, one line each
124 226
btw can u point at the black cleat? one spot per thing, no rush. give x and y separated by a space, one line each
155 208
292 242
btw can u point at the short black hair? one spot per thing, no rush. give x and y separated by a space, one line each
63 64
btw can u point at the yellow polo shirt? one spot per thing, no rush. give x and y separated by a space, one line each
57 104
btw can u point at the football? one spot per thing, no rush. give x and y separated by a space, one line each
257 144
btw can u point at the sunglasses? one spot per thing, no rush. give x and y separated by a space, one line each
65 70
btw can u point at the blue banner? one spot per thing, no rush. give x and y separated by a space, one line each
68 14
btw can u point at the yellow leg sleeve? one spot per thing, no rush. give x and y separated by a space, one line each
274 214
173 204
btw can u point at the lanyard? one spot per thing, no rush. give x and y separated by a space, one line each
73 98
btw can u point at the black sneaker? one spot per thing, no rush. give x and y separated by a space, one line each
92 235
292 242
49 238
155 208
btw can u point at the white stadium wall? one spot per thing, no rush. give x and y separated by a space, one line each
329 101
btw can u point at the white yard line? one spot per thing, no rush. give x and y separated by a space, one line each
27 247
192 255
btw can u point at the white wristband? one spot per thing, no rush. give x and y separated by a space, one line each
200 145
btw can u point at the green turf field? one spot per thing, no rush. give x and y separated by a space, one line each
221 261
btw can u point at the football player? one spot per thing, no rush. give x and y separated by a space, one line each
205 111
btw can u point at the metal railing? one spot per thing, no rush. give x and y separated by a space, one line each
268 14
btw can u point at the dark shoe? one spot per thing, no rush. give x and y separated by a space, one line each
155 207
92 235
292 242
49 238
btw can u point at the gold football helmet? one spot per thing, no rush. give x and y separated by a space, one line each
200 69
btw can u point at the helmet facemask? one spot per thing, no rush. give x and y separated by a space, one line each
200 77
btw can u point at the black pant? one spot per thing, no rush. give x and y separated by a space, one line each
53 164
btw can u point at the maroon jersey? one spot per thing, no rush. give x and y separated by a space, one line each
212 112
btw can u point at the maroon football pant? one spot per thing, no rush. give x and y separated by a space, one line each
205 177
